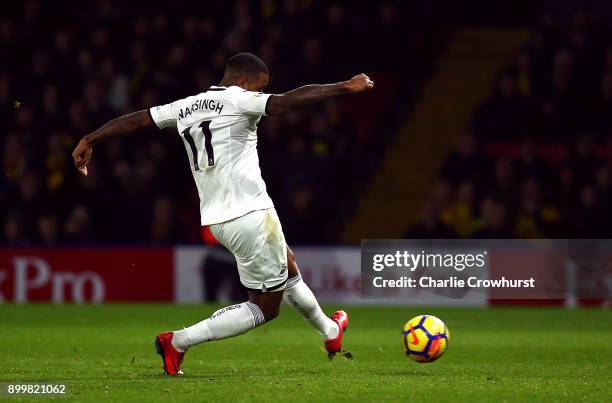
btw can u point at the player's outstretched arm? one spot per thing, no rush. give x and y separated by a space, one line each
123 125
313 94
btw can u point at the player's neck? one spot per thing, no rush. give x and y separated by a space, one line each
229 83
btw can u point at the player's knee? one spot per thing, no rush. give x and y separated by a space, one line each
270 312
292 264
268 303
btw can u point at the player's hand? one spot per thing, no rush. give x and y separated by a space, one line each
81 156
360 83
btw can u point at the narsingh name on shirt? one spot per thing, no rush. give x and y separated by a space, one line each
209 104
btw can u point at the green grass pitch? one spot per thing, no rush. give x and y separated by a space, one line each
105 353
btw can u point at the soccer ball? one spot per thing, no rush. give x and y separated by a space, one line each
425 338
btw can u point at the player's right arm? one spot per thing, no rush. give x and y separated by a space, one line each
315 93
120 126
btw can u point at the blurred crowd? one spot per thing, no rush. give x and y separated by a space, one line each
537 162
68 67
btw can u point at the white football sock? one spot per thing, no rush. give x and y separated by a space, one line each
226 322
299 296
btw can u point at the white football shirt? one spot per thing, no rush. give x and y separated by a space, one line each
219 130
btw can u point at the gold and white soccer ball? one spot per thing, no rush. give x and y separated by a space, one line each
425 338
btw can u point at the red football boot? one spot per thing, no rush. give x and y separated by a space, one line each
170 357
334 345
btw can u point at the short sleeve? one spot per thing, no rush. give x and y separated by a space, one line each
164 115
251 102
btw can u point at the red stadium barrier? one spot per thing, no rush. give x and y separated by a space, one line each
86 275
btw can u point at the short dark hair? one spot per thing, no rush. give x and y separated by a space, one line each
245 64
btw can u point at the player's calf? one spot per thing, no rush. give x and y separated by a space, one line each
225 322
299 296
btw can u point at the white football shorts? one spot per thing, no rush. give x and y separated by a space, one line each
257 241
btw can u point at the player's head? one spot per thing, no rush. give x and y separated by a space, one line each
247 71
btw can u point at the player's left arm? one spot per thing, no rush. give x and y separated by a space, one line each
120 126
312 94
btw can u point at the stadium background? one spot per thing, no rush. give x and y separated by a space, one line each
489 121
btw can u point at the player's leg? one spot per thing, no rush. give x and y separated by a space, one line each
257 243
230 321
301 298
268 303
226 322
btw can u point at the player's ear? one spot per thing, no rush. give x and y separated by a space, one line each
242 82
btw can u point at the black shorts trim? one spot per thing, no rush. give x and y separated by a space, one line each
276 287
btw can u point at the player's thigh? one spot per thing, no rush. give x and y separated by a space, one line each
246 235
258 243
242 235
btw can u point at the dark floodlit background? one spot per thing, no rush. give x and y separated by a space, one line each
532 158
